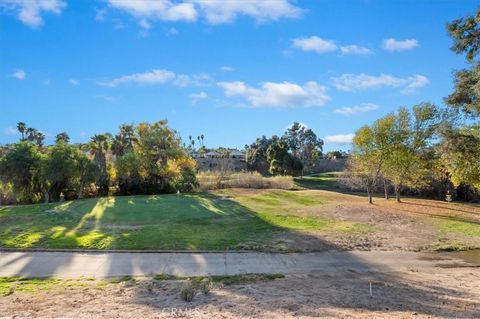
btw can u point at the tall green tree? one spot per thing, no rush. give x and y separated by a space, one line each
459 146
21 167
303 144
99 145
62 137
412 134
281 161
22 127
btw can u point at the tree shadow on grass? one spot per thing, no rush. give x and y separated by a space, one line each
214 222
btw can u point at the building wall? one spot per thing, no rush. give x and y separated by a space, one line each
226 164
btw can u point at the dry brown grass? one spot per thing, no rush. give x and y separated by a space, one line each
220 180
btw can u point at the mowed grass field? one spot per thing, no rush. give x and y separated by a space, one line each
191 221
231 219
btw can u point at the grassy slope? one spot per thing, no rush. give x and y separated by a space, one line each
197 221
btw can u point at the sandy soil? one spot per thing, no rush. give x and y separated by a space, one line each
447 293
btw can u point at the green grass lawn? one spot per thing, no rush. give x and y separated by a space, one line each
317 181
190 221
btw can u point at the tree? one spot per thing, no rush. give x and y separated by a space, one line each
21 127
460 152
281 161
98 146
364 163
21 167
405 164
67 168
256 154
62 138
303 144
124 140
465 33
459 147
158 145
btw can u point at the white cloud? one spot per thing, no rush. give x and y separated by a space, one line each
283 94
355 49
221 11
196 97
339 138
160 76
319 45
30 11
19 74
314 44
393 45
227 68
357 82
213 11
74 82
202 79
352 110
150 77
10 131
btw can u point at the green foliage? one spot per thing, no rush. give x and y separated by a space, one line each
21 168
281 161
65 168
465 33
303 144
256 154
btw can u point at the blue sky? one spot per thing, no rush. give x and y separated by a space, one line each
232 70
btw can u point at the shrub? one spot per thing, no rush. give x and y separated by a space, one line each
188 291
216 180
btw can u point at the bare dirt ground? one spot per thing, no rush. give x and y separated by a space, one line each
412 225
446 293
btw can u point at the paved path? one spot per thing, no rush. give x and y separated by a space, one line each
102 265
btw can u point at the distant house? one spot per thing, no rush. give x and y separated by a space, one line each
213 154
237 154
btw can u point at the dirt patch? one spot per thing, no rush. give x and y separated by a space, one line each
446 293
412 225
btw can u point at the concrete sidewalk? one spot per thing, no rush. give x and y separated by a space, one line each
103 265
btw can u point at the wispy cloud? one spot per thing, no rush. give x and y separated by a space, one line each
227 68
278 94
394 45
29 12
19 74
74 82
359 82
197 97
319 45
339 138
10 131
352 110
355 49
211 11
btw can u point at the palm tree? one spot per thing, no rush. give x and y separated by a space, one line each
62 137
39 138
31 134
21 127
98 146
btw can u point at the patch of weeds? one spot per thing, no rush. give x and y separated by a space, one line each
448 247
164 276
121 279
188 291
245 279
460 227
